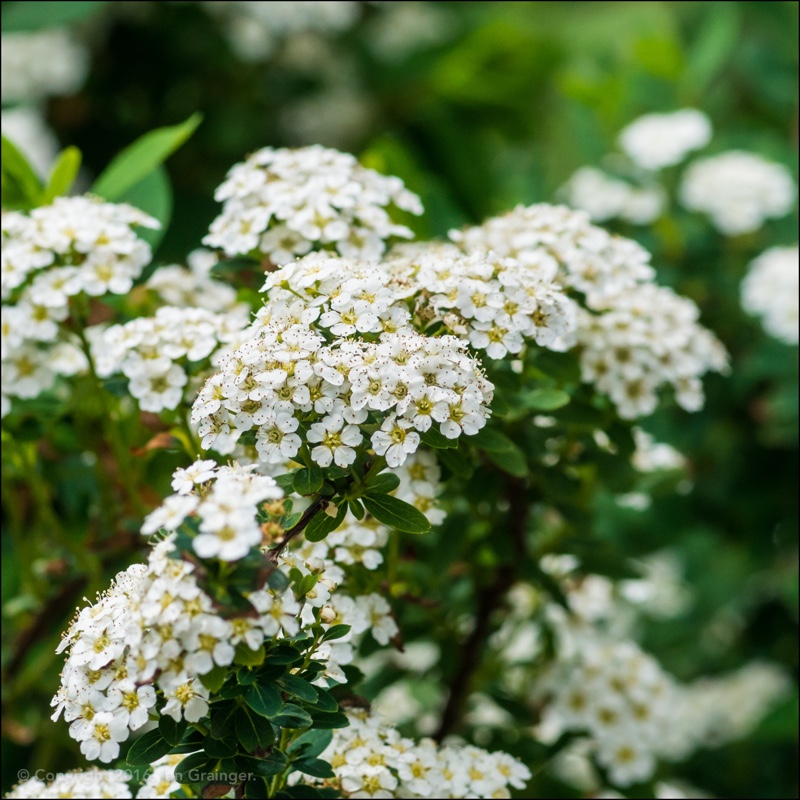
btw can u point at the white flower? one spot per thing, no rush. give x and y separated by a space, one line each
395 441
170 514
770 291
103 734
184 480
336 441
655 141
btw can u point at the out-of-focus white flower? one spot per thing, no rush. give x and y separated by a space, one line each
770 291
605 197
655 141
26 128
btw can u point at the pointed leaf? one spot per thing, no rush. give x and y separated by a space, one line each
148 748
264 699
396 513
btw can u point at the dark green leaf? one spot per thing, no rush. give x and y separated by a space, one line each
196 768
248 658
325 701
271 764
253 731
291 716
27 16
140 158
148 748
327 721
396 513
311 743
323 523
296 686
335 632
433 437
213 680
286 481
384 483
282 654
315 767
264 699
153 195
219 748
222 719
21 186
308 481
172 731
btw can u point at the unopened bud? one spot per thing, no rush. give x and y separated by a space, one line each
327 615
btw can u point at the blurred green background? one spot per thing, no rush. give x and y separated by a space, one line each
478 107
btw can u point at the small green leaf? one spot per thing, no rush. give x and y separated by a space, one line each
283 655
291 716
21 187
315 767
492 441
311 743
172 731
63 174
335 632
384 483
219 748
545 399
325 702
396 513
356 509
511 461
298 687
264 699
140 158
322 524
271 764
213 680
285 481
253 731
153 195
325 721
308 481
193 767
433 437
149 748
248 658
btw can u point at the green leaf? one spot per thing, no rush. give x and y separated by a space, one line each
356 509
492 441
139 159
335 632
311 743
384 483
264 699
323 524
193 767
327 721
153 195
222 716
253 732
283 654
712 48
291 716
457 462
62 174
295 685
325 701
214 679
308 481
285 481
219 748
315 767
511 461
149 748
21 187
433 437
192 742
544 399
27 16
271 764
248 658
396 513
172 731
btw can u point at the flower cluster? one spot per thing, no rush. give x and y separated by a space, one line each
496 303
634 336
89 783
645 338
372 760
254 30
150 351
193 286
281 203
295 391
738 191
36 65
161 781
587 259
655 141
76 245
605 197
770 291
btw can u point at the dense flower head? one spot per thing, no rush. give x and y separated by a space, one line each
154 353
643 339
585 258
296 391
605 197
281 203
770 291
739 191
371 759
88 783
655 141
41 63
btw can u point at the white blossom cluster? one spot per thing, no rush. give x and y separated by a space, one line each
152 352
739 191
193 286
296 391
605 197
160 782
586 258
36 65
88 784
644 338
655 141
255 28
770 291
76 245
634 336
281 203
373 760
496 303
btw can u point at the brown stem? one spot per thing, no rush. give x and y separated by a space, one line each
488 600
320 504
